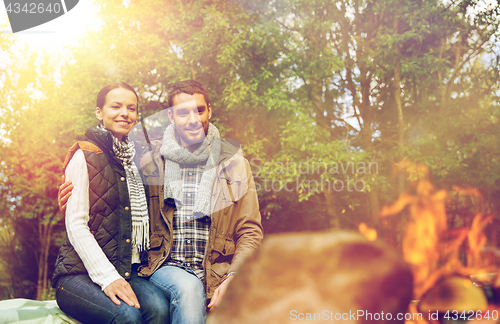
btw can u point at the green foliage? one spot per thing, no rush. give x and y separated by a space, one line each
36 123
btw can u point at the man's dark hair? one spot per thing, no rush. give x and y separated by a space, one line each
188 86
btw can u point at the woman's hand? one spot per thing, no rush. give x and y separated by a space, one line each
64 193
122 289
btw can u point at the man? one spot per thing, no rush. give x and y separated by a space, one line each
204 212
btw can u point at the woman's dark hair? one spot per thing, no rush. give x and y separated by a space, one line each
188 86
101 96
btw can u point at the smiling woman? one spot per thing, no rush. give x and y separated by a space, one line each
118 113
107 223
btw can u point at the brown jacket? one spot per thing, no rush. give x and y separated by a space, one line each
236 229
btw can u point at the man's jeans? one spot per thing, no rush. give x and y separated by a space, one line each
184 291
82 299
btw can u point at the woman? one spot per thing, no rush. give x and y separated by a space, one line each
107 223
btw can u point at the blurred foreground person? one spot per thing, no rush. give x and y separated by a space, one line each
315 277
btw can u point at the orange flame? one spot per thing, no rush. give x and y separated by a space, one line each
431 250
423 230
369 233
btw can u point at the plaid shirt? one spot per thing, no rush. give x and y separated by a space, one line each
190 235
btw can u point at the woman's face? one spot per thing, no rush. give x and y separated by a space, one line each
119 113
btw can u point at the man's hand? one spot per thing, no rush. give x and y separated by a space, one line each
219 293
64 193
122 289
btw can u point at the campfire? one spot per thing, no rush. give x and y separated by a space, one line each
442 281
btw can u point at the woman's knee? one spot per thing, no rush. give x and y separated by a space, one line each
128 315
155 313
155 309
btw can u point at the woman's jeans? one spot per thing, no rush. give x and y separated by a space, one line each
83 300
185 293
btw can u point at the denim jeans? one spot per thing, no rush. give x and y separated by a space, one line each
185 293
83 300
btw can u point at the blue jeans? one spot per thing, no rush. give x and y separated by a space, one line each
83 300
184 291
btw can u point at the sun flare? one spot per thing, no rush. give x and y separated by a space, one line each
54 36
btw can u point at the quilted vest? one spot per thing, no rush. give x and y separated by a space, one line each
110 219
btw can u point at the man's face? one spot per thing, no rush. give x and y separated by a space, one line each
191 116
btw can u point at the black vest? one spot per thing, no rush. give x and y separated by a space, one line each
110 219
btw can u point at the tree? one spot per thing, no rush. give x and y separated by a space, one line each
309 81
33 147
370 73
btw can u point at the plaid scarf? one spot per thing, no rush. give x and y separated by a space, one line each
175 155
124 150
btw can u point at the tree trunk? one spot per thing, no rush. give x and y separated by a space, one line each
332 208
374 209
45 233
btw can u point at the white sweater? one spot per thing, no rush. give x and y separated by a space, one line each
100 269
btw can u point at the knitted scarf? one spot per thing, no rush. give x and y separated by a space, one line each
175 155
124 150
